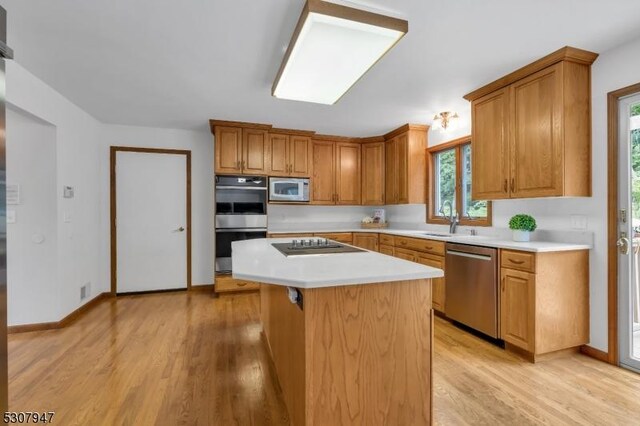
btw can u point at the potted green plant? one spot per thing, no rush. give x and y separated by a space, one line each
522 226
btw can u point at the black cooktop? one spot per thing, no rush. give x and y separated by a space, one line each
314 246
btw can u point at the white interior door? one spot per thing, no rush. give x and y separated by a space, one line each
629 231
151 221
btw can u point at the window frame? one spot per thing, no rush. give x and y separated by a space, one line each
433 216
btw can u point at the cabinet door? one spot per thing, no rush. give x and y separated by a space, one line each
228 149
402 153
391 172
490 146
347 173
437 284
299 156
368 241
373 181
279 148
536 134
517 308
324 173
255 149
386 249
404 254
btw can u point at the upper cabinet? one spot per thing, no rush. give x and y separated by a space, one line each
531 130
240 150
373 173
405 160
290 155
336 172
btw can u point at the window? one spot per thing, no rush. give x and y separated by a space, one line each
450 186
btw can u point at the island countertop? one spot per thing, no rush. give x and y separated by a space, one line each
257 260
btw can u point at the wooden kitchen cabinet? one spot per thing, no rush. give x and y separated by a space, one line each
255 151
405 254
386 249
241 150
373 173
366 240
347 164
336 173
438 286
516 308
290 155
228 149
405 165
531 130
341 237
490 146
544 302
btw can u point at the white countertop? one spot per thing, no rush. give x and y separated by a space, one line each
480 240
257 260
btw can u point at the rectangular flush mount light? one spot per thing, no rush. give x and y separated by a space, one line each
332 47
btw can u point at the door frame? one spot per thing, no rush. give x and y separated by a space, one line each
114 247
613 356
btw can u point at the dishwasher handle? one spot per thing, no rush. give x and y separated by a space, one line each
471 255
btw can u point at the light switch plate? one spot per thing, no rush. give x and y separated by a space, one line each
11 216
67 192
578 221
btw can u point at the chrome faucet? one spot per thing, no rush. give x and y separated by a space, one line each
453 220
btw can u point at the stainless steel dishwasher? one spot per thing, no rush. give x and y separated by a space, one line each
471 285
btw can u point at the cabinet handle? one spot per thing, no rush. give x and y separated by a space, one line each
241 284
290 168
505 186
238 165
513 184
517 262
503 284
243 165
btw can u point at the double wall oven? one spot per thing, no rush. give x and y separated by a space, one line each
241 214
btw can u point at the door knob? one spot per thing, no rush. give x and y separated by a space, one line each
623 245
181 229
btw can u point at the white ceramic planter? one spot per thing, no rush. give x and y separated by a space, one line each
521 236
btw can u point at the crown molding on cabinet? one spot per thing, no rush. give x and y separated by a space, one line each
293 132
406 128
567 54
225 123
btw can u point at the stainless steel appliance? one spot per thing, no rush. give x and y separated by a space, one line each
288 189
472 287
5 52
241 214
314 246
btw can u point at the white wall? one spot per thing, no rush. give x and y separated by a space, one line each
76 157
33 238
202 184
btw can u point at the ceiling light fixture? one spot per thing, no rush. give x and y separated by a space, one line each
445 121
332 47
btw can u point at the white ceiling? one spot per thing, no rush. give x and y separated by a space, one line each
176 64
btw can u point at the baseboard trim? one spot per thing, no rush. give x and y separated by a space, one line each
595 353
69 319
203 287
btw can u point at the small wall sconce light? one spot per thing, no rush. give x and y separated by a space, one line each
444 121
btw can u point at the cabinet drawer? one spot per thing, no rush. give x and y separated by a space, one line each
341 237
386 249
428 246
226 283
518 260
404 254
386 239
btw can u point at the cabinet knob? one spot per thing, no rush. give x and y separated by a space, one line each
505 186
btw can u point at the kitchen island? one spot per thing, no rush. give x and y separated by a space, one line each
350 334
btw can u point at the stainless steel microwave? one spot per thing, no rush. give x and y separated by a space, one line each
289 189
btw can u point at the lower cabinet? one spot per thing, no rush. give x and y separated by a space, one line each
386 249
438 289
405 254
366 240
544 301
341 237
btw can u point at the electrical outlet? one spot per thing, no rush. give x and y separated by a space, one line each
85 290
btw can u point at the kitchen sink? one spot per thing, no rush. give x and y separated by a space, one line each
437 234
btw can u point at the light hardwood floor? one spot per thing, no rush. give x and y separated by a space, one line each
187 358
